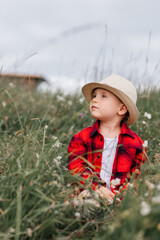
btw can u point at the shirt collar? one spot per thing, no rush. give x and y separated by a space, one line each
125 130
95 128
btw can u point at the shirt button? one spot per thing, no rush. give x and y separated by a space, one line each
98 156
101 139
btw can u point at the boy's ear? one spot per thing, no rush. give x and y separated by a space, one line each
122 109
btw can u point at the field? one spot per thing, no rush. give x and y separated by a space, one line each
36 195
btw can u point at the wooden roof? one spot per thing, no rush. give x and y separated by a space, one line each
24 79
15 75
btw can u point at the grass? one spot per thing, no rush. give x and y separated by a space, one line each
36 195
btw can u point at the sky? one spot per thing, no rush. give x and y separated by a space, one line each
71 42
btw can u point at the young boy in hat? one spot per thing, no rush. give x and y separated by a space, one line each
108 152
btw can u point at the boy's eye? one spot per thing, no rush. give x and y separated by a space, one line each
94 95
104 96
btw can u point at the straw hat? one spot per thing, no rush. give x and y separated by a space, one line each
120 87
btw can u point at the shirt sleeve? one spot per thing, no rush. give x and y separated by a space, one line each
140 158
77 159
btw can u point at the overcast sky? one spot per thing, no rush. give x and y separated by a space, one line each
80 39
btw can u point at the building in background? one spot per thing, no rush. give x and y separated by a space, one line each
29 81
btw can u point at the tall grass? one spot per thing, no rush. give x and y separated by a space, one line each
36 191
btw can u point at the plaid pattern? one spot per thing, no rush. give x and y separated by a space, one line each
85 156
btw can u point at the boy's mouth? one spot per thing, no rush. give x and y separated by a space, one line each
94 107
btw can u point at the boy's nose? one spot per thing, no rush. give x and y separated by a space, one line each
94 100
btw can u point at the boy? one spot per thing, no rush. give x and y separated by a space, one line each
108 151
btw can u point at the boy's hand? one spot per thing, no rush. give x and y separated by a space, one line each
84 194
105 193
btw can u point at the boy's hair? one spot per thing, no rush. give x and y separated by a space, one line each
126 115
125 119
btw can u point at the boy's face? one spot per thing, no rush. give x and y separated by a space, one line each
104 105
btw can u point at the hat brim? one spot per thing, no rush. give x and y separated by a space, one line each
132 108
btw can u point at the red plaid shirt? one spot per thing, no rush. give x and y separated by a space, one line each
85 155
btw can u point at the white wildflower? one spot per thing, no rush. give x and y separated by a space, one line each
145 208
46 127
29 232
148 115
57 162
11 85
54 137
145 144
57 144
130 185
146 194
115 182
60 98
19 163
77 215
65 168
37 155
70 131
59 158
69 102
55 183
156 200
81 100
54 173
143 122
116 191
158 186
12 230
118 199
4 104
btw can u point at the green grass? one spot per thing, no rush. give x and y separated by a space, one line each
36 195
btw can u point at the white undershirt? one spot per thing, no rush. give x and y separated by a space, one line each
108 155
